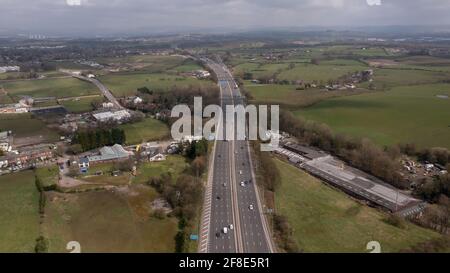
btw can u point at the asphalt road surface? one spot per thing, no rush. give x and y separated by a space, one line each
233 193
105 91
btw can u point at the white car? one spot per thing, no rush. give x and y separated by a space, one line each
231 227
242 184
225 230
240 172
251 207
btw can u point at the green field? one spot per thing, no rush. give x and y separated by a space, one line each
173 165
126 84
319 73
288 96
188 66
345 50
81 105
19 217
106 178
48 175
25 125
327 220
261 69
147 63
59 88
147 130
108 222
401 115
397 77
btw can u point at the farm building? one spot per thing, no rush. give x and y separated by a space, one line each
109 115
116 152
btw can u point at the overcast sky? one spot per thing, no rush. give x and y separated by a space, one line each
137 16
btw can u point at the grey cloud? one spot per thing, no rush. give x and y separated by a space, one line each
137 15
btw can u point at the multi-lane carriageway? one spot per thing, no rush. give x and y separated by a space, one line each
228 201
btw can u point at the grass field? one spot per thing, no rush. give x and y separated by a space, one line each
288 96
397 77
188 66
126 84
326 220
24 125
147 130
108 222
319 73
81 105
19 217
5 99
401 115
106 178
173 165
147 63
59 88
48 175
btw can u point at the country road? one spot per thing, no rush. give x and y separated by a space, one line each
105 91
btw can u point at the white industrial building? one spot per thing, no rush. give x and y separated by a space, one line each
4 69
110 115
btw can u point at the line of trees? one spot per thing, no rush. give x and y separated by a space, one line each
270 178
268 174
361 153
93 139
41 245
437 216
42 196
185 195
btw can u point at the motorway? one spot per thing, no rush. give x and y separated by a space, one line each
228 201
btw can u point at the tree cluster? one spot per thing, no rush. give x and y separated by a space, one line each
268 173
155 101
196 149
283 233
185 197
93 139
431 189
